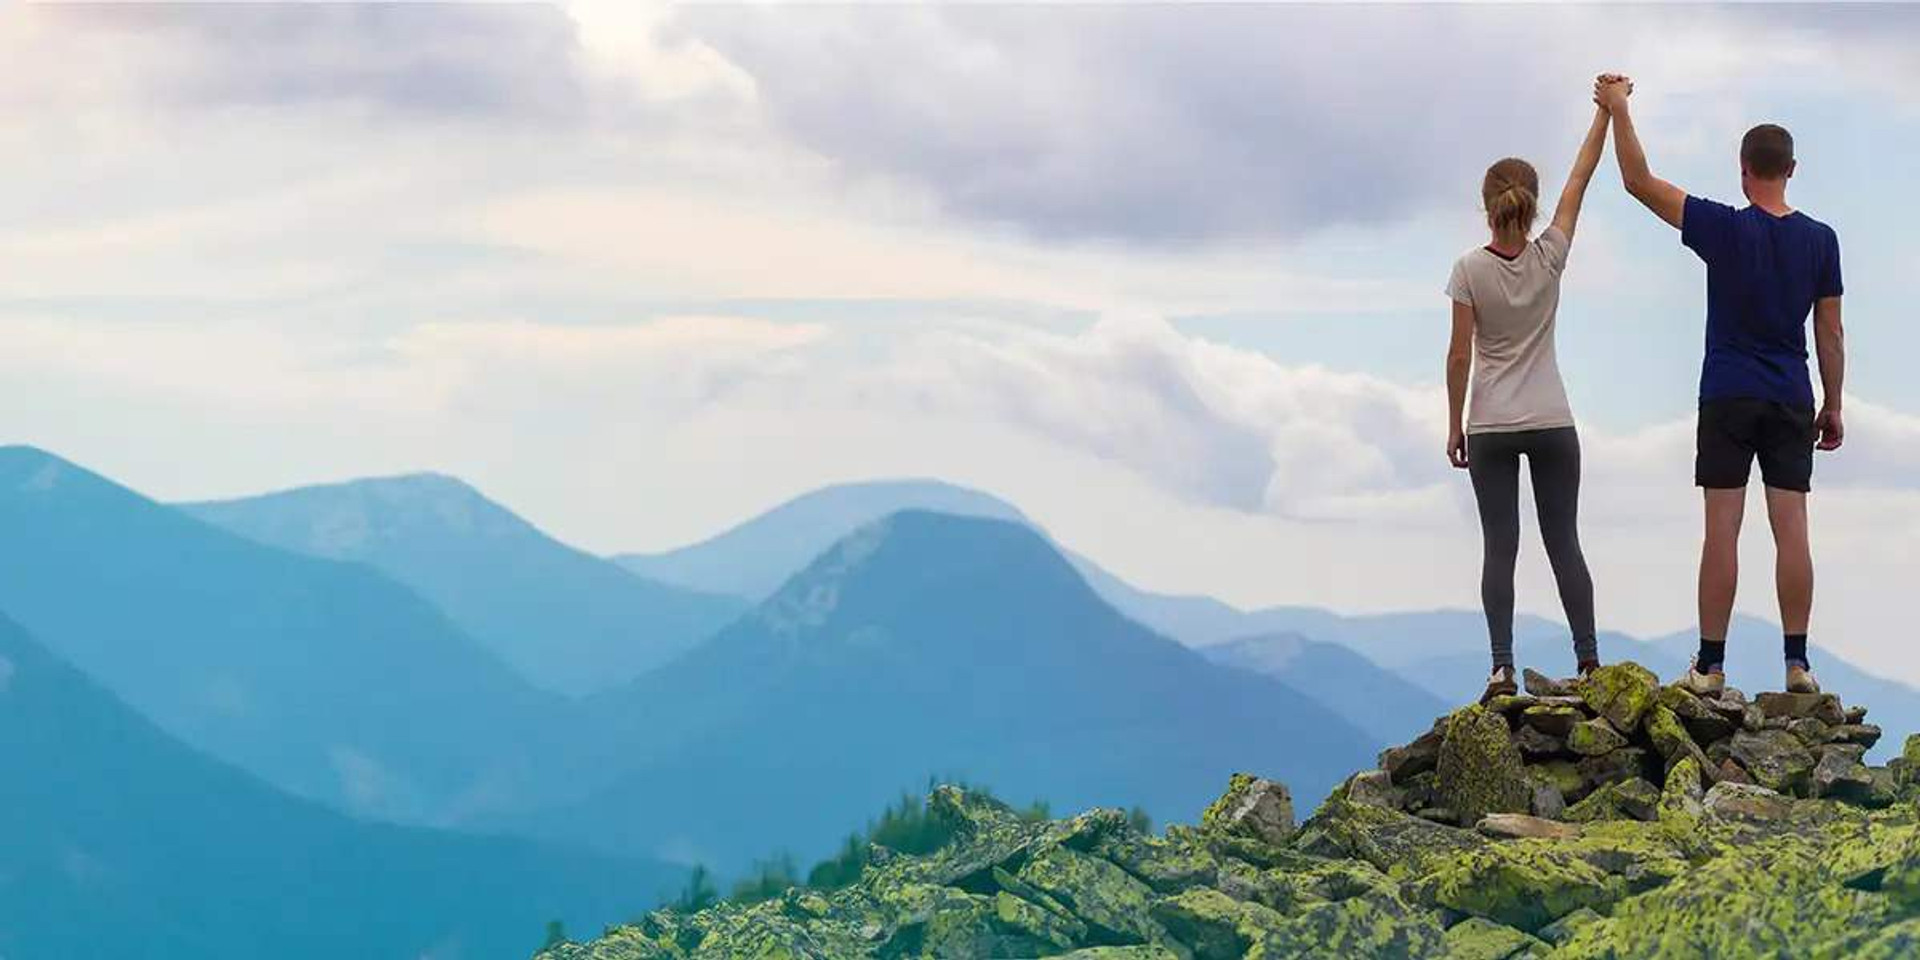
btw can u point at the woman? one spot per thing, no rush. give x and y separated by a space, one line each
1504 296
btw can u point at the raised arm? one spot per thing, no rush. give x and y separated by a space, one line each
1667 201
1567 214
1459 365
1830 344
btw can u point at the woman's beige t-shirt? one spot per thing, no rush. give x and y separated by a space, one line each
1516 380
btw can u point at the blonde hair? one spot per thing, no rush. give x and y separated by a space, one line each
1511 192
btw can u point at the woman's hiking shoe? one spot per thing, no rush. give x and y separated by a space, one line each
1708 684
1800 679
1500 684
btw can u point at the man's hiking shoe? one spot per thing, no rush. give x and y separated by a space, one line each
1708 684
1800 680
1500 684
1586 669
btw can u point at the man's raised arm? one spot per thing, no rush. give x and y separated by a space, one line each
1667 201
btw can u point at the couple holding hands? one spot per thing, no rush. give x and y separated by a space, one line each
1768 267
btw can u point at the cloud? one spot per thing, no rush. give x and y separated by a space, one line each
1171 124
497 61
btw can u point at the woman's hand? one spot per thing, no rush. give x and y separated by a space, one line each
1457 448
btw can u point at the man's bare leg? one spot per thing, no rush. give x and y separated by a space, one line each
1793 557
1793 578
1720 561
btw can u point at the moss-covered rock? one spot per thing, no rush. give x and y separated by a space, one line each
1252 807
1479 769
1526 884
1621 692
1477 939
1672 856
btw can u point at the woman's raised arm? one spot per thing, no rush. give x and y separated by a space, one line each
1567 214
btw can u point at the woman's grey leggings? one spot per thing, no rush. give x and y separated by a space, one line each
1553 457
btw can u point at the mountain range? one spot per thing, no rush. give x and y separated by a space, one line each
325 678
566 620
404 649
928 643
119 841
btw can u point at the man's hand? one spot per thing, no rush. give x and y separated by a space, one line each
1611 90
1457 448
1833 431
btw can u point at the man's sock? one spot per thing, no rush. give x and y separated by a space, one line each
1797 650
1712 654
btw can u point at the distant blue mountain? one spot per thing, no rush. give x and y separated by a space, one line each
753 559
1441 651
118 841
328 679
567 620
1388 707
931 643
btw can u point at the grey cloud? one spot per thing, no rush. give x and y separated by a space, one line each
494 61
1161 124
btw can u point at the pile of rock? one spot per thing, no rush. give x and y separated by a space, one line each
1604 747
1527 828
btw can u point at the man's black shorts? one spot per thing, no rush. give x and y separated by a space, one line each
1734 431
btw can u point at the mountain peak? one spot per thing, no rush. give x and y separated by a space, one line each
753 558
923 557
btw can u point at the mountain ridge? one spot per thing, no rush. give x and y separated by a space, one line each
120 841
567 620
882 646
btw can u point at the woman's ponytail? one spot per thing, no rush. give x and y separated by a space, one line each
1511 193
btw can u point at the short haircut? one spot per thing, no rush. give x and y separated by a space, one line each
1767 151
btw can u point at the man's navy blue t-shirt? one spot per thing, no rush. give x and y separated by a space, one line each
1763 275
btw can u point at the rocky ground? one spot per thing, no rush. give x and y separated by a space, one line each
1608 818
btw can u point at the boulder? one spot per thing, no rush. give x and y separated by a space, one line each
1864 734
1746 801
1553 719
1841 775
1808 730
1731 772
1824 707
1521 885
1510 703
1375 787
1591 738
1682 798
1775 759
1518 826
1563 929
1537 744
1855 715
1621 692
1541 685
1625 763
1405 762
1477 939
1479 770
1634 799
1252 807
1547 800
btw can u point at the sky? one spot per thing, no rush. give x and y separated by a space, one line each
1167 277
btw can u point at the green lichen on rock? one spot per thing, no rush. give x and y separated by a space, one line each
1479 769
1477 939
1621 692
1674 855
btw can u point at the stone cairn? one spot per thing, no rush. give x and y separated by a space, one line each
1604 748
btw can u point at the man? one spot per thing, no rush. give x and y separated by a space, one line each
1768 265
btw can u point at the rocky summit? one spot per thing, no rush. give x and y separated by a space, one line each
1610 817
